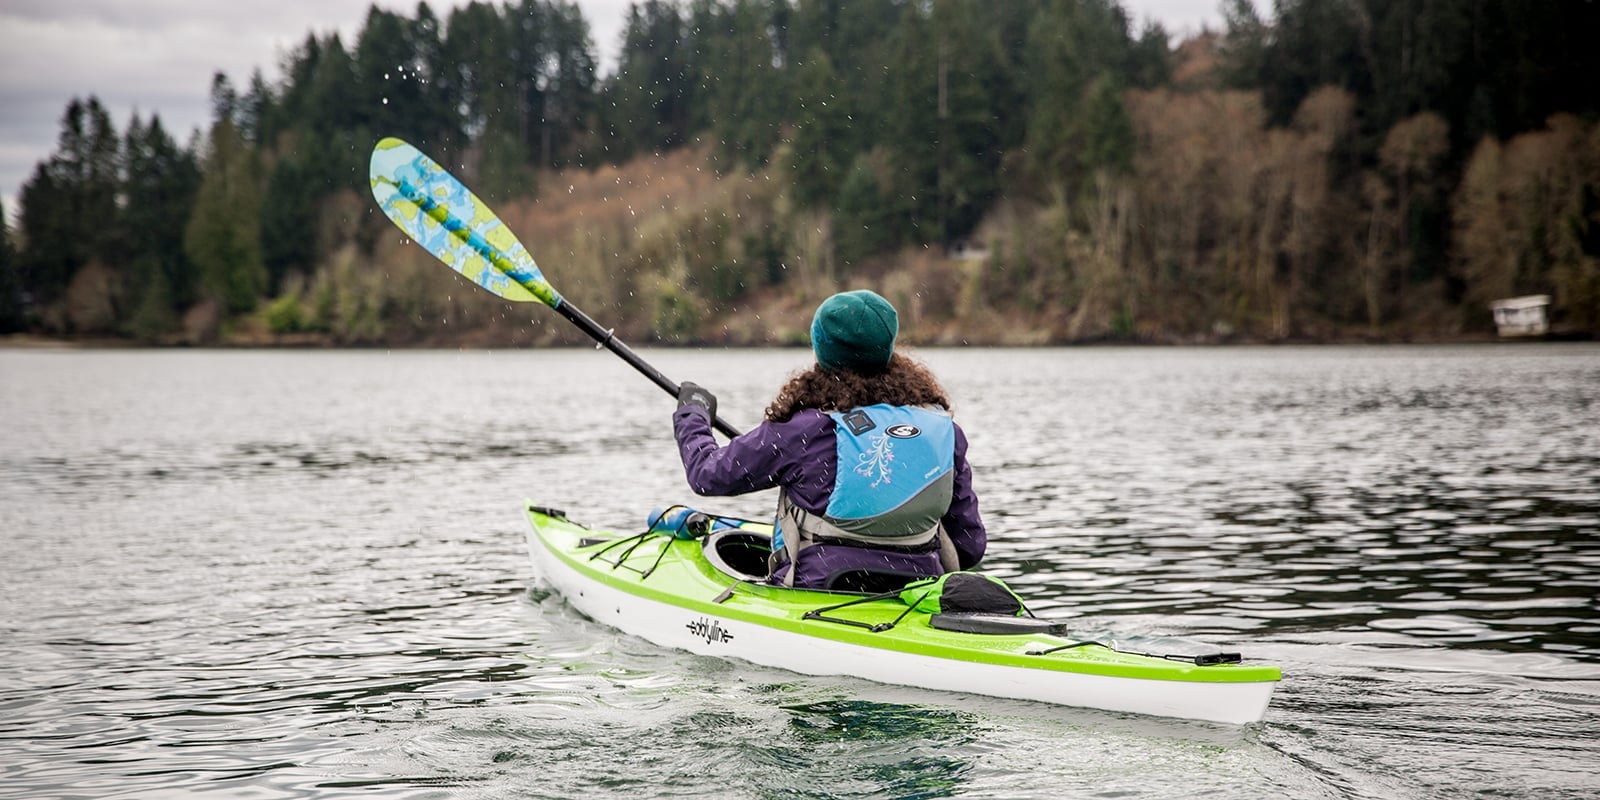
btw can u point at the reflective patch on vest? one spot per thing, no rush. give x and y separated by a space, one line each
857 422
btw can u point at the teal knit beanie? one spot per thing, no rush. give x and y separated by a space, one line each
854 330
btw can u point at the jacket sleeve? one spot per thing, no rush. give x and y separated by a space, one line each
962 522
760 459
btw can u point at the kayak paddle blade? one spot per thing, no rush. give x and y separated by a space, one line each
448 220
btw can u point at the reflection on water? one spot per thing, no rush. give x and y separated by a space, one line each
302 575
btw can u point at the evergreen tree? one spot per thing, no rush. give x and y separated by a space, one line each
524 30
739 93
856 36
223 237
1524 60
49 222
975 50
1314 43
101 172
289 222
493 98
570 78
295 106
159 187
554 64
484 88
1077 54
255 111
903 117
433 115
1107 134
911 129
224 100
650 95
336 102
339 142
821 147
1150 62
1244 45
11 319
391 80
764 109
867 222
69 206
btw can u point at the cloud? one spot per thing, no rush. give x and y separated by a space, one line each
1181 18
47 61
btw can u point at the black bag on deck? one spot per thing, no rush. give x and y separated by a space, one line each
962 593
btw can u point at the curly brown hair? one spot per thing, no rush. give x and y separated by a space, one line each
905 382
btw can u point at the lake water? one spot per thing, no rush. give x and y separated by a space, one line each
302 574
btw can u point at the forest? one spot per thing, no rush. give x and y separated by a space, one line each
1029 172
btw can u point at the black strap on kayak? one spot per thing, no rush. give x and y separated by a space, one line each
821 613
1202 660
553 513
728 592
633 542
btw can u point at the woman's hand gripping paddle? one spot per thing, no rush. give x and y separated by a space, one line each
448 220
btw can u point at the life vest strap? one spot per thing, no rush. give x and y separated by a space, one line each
802 530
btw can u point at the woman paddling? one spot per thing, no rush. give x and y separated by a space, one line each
874 485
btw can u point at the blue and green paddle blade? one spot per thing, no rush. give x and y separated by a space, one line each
449 221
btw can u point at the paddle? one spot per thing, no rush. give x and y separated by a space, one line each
448 220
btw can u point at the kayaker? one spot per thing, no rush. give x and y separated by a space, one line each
874 485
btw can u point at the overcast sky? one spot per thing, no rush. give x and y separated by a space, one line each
158 56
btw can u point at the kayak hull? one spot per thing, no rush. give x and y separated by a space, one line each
668 592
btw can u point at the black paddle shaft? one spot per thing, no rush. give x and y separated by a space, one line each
610 342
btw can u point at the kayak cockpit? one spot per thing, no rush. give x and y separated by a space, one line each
744 554
740 553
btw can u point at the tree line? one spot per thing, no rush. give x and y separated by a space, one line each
1338 168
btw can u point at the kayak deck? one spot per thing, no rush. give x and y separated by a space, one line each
667 590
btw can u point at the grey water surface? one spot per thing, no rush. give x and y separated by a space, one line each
274 574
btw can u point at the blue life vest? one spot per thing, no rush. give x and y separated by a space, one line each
894 478
895 472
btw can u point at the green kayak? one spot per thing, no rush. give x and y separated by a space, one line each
704 593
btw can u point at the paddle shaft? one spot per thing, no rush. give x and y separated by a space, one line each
606 339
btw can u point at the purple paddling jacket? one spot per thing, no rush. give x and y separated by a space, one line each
799 454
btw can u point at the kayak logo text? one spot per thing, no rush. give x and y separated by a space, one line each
710 630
